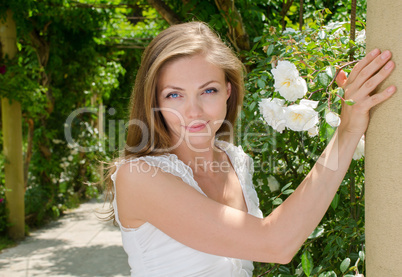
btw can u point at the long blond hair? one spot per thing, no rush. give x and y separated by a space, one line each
175 42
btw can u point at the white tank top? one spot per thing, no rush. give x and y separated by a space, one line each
152 253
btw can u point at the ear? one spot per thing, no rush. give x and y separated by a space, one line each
341 78
228 90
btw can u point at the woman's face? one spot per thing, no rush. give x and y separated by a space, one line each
192 95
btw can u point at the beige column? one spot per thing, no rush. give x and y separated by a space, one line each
383 187
12 141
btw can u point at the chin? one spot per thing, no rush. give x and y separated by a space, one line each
198 142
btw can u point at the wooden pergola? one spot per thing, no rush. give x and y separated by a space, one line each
12 140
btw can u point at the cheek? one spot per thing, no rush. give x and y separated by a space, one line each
172 117
217 108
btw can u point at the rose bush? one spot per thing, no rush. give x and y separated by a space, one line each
285 128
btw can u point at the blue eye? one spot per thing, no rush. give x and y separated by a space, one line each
172 95
210 90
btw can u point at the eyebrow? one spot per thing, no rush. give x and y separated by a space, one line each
202 86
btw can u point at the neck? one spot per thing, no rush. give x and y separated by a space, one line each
202 159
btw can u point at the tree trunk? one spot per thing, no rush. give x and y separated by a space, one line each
352 29
170 16
12 144
285 8
237 31
301 22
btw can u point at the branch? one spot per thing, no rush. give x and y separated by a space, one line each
96 5
285 8
167 13
28 154
239 36
301 16
352 28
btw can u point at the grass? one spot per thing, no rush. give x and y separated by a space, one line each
6 242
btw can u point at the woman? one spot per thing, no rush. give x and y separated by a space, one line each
184 199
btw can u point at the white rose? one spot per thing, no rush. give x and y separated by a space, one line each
273 184
300 117
333 119
309 103
288 82
312 132
273 113
361 36
300 169
359 151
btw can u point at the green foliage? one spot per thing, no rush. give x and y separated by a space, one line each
3 214
282 160
71 55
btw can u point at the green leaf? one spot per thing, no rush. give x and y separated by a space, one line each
288 191
350 102
277 201
345 40
345 265
317 233
335 201
328 274
270 50
252 106
324 79
307 263
284 270
330 70
286 186
261 84
339 241
362 256
256 39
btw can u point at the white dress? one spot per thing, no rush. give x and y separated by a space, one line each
153 253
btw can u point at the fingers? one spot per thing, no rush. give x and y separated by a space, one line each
341 78
362 64
380 97
374 81
371 69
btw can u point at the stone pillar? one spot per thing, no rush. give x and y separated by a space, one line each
383 188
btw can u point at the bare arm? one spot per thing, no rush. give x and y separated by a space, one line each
304 209
201 223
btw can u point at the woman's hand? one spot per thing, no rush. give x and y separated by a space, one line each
364 78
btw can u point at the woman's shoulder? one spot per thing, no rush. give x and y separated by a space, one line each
164 166
146 164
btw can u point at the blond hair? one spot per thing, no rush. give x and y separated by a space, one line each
177 41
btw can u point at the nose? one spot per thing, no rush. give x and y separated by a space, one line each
194 109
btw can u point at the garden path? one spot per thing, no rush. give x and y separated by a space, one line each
78 244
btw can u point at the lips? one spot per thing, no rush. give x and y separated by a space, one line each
196 127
